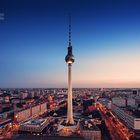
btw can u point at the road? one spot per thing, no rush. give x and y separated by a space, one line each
113 126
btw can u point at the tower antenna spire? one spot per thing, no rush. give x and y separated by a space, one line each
69 30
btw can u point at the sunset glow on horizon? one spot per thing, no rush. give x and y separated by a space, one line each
105 40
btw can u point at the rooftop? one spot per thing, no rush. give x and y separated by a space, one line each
29 137
34 122
131 111
88 125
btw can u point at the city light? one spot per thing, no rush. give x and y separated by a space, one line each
70 69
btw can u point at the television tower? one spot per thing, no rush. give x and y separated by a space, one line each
69 60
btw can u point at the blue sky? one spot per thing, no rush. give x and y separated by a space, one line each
105 39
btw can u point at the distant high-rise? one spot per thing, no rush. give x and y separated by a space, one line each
70 60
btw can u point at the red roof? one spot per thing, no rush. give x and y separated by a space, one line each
91 108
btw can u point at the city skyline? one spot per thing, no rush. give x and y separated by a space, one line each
105 39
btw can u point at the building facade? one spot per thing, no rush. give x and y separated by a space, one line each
129 118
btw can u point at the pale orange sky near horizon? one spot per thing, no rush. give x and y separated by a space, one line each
110 70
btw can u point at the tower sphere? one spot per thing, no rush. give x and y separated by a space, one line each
69 57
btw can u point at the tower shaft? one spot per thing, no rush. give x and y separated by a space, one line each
70 106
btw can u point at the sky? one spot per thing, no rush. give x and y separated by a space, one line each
34 41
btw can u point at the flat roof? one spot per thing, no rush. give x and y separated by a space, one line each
131 112
30 137
34 122
88 125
